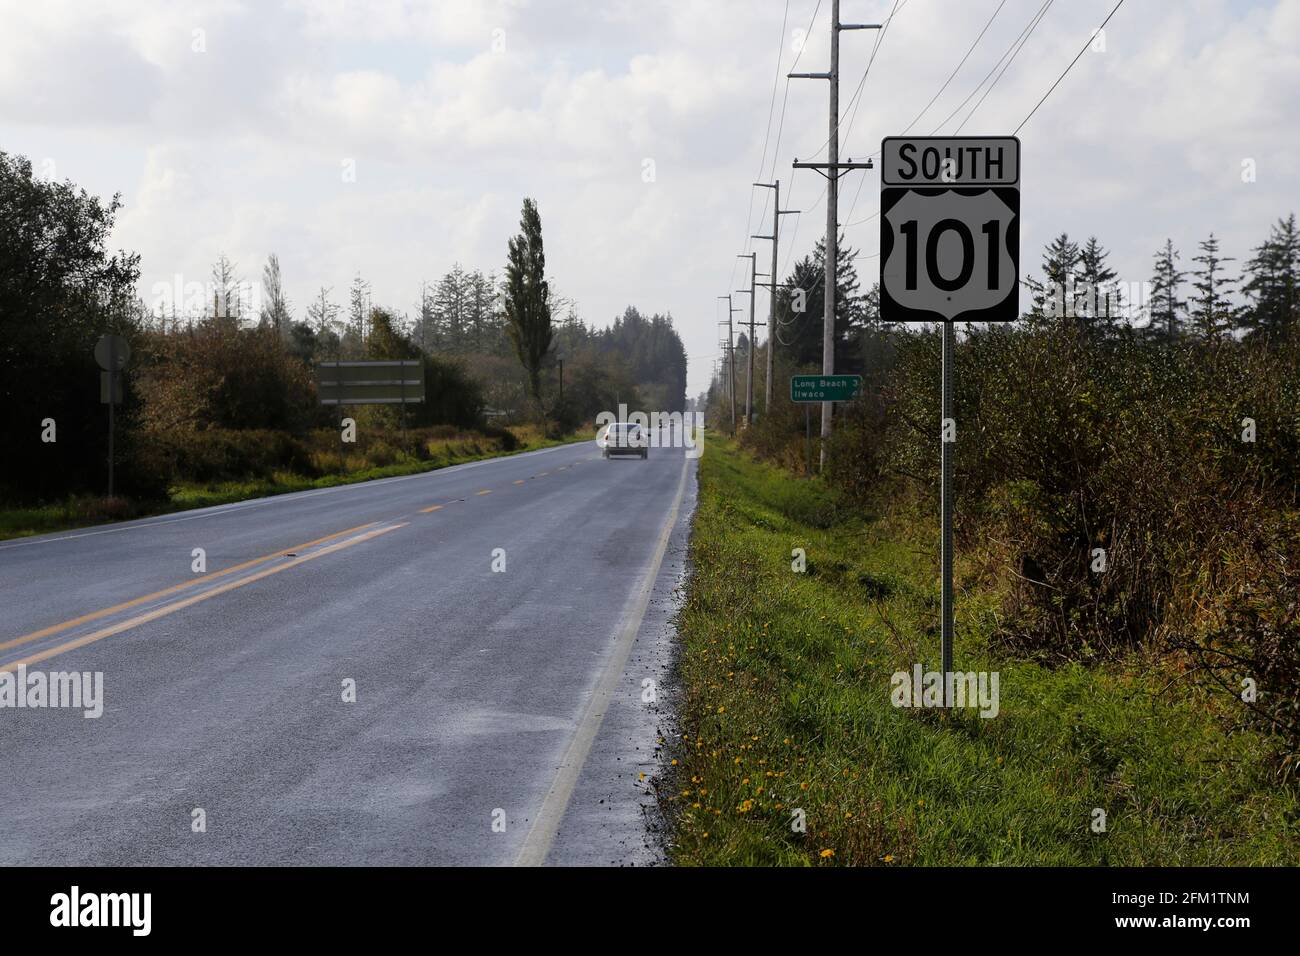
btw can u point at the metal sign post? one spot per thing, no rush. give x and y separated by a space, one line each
810 390
945 517
396 382
112 352
807 438
949 251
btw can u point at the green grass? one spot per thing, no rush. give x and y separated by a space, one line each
787 706
82 511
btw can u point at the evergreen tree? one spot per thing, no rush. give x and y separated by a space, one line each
800 333
1167 310
1053 298
1099 297
1212 313
481 310
451 300
1272 286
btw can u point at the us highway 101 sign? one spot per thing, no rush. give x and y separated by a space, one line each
950 229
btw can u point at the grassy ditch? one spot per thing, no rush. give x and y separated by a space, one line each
787 714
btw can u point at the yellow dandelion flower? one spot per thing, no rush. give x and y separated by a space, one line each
826 854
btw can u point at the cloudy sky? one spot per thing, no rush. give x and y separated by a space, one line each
638 126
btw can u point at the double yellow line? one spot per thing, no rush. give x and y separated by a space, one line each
186 602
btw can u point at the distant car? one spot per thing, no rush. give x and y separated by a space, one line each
625 438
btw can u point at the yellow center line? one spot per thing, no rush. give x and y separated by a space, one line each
425 511
519 481
541 474
96 615
195 599
486 491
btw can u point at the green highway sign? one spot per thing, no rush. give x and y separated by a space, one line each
399 382
824 388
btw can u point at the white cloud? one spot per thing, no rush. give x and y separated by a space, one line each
238 149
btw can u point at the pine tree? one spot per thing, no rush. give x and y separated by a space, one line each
1053 298
451 299
1167 310
481 308
1100 300
1212 313
1272 288
801 332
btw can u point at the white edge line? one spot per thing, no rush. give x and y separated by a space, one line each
541 835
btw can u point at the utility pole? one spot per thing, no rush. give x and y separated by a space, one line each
777 213
731 358
833 170
749 375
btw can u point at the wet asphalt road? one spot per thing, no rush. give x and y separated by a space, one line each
499 715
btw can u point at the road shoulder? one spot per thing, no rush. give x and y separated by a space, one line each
613 818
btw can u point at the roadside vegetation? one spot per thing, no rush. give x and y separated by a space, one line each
1127 488
316 461
787 711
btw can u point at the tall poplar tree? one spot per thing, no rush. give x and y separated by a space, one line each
527 299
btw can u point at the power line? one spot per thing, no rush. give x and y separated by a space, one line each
981 100
953 74
1010 51
980 85
856 101
771 109
1071 66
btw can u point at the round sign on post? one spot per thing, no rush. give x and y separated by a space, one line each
112 352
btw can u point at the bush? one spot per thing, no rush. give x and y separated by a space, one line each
1071 445
218 454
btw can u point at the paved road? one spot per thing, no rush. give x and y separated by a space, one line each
479 693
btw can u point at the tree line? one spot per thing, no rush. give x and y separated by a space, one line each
1200 298
235 356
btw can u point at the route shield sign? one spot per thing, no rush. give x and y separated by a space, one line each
824 388
950 229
